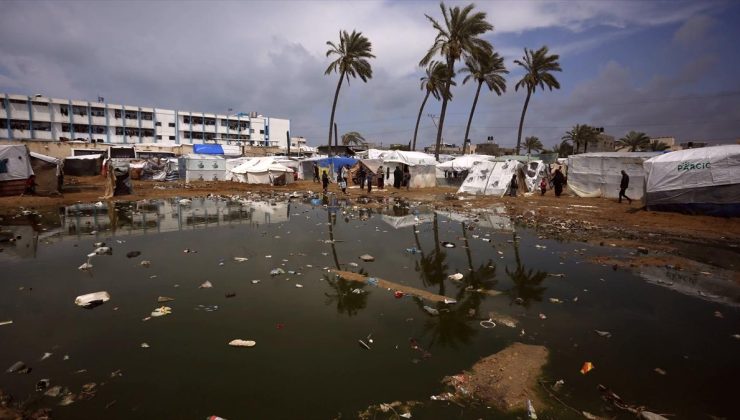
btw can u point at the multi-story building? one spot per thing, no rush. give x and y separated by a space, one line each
41 118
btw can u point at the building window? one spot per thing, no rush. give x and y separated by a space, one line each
158 124
171 124
98 129
262 131
117 114
159 137
131 115
80 128
197 120
41 126
147 116
3 123
19 125
17 102
186 119
172 137
65 128
97 112
119 131
210 121
147 132
64 110
79 110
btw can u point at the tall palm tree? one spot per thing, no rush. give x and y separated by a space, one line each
538 68
658 146
486 69
433 83
353 137
353 52
580 134
634 141
457 37
533 143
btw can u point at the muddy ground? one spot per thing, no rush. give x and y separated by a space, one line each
657 238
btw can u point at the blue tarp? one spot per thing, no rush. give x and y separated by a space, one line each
336 162
208 149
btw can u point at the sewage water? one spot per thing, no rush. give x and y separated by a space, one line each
307 362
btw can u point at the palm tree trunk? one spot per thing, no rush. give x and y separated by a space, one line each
472 111
334 108
418 118
331 239
521 121
448 85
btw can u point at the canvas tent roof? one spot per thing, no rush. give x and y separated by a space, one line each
409 158
463 163
15 162
704 180
599 174
259 165
491 178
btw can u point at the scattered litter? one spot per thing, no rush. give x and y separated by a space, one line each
364 345
103 250
205 285
189 251
558 384
413 250
502 319
5 322
42 384
530 411
605 334
88 391
587 367
448 244
19 367
242 343
543 316
46 356
268 256
488 323
163 299
398 294
298 285
133 254
555 300
556 275
277 271
54 391
144 345
161 311
357 291
85 266
92 300
367 258
230 294
660 371
354 264
718 314
255 281
146 263
67 400
456 276
449 301
207 308
431 310
241 259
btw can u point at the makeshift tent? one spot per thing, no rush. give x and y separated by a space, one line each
49 174
217 149
534 171
264 170
599 174
377 154
370 165
493 178
195 167
122 177
704 180
305 167
422 167
333 164
230 164
85 165
463 163
15 169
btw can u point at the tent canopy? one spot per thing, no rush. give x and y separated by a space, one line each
463 163
336 162
259 165
491 178
208 149
409 158
15 163
599 174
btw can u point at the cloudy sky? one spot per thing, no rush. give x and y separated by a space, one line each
668 68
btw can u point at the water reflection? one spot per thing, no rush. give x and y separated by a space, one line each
349 297
527 284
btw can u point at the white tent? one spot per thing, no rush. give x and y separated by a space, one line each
491 178
534 171
263 170
15 163
704 180
599 174
422 167
376 154
400 222
463 163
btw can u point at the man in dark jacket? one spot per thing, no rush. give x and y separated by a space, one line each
623 187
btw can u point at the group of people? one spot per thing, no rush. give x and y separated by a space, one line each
364 178
558 180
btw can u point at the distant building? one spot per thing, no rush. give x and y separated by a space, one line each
493 149
604 143
445 149
669 141
41 118
693 144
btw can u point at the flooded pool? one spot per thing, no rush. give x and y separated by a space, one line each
666 350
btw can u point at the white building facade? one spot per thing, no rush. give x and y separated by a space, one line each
41 118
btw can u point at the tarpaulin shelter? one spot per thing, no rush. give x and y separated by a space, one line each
463 163
370 165
264 170
493 178
197 167
85 165
704 180
422 167
15 169
49 174
333 165
217 149
599 174
534 171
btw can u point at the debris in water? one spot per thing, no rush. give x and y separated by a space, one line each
555 300
364 345
456 276
242 343
146 263
367 258
5 322
277 271
92 300
46 356
543 316
18 367
448 244
133 254
255 281
67 400
431 310
53 391
163 299
230 294
605 334
103 250
42 384
205 285
298 285
587 367
144 345
85 266
718 314
530 411
161 311
558 384
660 371
241 259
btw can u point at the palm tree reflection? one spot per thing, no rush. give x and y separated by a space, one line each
526 283
350 297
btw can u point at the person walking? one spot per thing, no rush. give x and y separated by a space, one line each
315 173
342 181
557 182
543 186
623 185
369 176
325 181
381 176
406 177
397 177
361 177
345 172
513 186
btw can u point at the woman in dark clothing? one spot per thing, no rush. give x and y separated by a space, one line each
369 182
381 178
513 186
557 182
325 181
397 178
406 177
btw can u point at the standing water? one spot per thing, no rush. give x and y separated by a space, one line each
659 348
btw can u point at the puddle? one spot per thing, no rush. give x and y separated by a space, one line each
307 362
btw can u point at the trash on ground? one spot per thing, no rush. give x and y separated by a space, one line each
431 311
85 266
718 314
543 316
163 299
145 263
488 323
144 345
8 322
456 276
298 285
448 244
18 367
241 259
42 384
367 258
53 391
133 254
255 281
230 294
605 334
587 367
277 271
530 410
103 250
660 371
88 391
92 300
412 250
364 345
242 343
46 356
67 400
161 311
635 409
205 285
555 300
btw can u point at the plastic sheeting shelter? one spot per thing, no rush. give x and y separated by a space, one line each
463 163
492 178
217 149
599 174
49 174
196 167
264 170
85 165
15 169
704 180
422 167
534 171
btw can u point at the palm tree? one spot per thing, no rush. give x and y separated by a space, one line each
353 137
563 149
634 141
538 68
580 134
486 69
533 143
433 83
353 53
658 146
457 37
